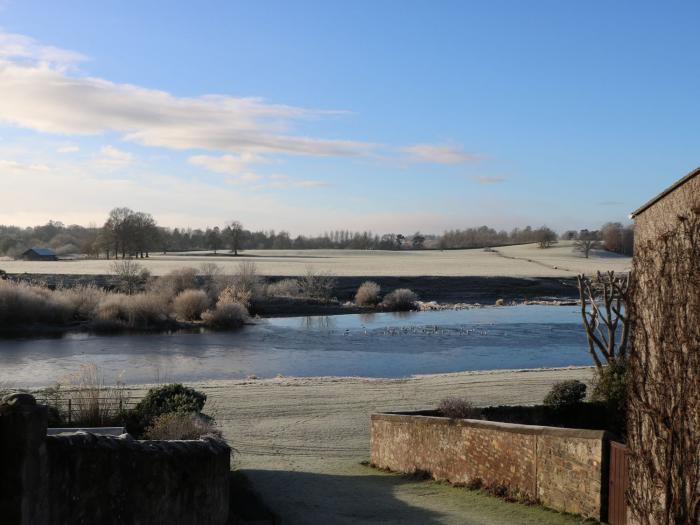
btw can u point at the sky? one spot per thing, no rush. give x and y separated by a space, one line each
307 116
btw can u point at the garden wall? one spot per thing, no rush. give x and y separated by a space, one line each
564 469
84 478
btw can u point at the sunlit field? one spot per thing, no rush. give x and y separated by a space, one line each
512 261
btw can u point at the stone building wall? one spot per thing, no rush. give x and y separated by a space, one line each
662 216
564 469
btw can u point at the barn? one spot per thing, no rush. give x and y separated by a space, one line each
663 419
39 254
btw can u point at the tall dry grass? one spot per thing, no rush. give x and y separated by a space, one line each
85 398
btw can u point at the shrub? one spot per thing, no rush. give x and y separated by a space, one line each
179 425
565 394
84 300
130 274
190 304
456 408
24 303
284 288
176 281
134 311
247 280
367 294
317 285
610 385
401 299
233 294
225 316
164 400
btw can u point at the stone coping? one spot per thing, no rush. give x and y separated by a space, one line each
492 425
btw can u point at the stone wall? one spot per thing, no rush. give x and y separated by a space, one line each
564 469
662 216
83 478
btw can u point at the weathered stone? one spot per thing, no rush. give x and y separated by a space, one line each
561 468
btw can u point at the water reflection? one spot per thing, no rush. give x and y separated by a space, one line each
373 345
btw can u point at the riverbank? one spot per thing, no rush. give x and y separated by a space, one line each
301 442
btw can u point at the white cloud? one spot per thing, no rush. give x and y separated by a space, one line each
21 47
282 182
227 164
483 179
68 149
37 93
438 154
48 100
13 167
110 157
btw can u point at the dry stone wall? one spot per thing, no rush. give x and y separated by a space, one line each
564 469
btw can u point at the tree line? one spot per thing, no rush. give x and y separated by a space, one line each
129 233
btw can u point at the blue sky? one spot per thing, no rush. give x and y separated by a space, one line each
382 115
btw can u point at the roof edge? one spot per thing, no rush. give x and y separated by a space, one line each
664 193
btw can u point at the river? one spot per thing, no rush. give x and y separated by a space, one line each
373 345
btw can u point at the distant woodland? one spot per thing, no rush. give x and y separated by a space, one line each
128 233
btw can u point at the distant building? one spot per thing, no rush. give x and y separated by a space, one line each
39 254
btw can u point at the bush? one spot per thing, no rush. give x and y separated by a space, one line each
190 304
367 294
24 304
456 408
226 316
142 310
399 300
565 394
284 288
179 425
165 399
176 281
610 385
131 274
317 285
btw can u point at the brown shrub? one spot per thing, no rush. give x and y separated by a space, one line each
227 314
178 425
457 408
317 285
176 281
284 288
134 311
24 303
367 294
190 304
399 300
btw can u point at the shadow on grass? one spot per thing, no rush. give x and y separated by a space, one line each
310 498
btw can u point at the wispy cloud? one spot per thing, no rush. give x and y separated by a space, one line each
68 149
484 179
281 182
438 154
113 158
227 164
13 167
37 92
21 47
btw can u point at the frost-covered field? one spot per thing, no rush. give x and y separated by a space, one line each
512 261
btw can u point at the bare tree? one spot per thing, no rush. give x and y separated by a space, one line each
234 230
604 301
546 237
130 274
586 242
